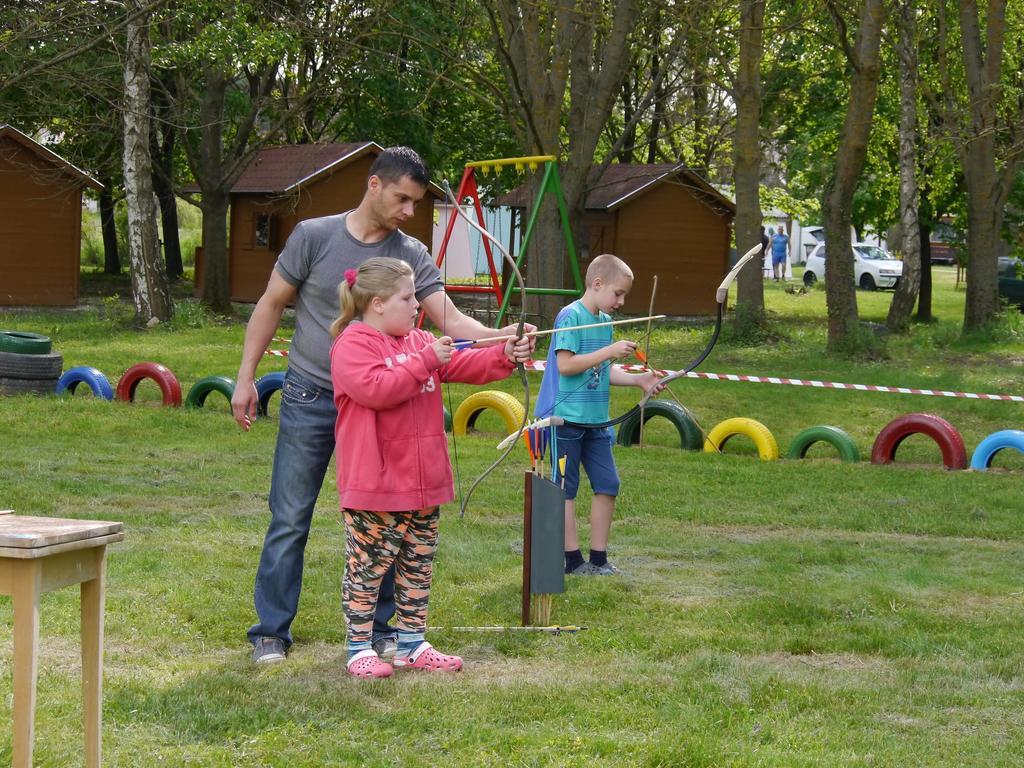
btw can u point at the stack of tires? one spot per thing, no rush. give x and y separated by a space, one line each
28 364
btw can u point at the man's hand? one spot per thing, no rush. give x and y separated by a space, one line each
527 343
518 351
244 403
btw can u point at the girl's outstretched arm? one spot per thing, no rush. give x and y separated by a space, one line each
361 373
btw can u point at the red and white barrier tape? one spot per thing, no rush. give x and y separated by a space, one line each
538 365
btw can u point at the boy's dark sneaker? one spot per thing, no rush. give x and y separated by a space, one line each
583 569
603 570
268 650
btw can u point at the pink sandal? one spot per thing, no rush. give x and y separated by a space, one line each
428 658
368 664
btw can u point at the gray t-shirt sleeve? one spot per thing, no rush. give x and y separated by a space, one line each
425 272
294 261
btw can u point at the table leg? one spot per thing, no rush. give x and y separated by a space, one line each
27 583
92 659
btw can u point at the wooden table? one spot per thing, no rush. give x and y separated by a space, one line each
38 555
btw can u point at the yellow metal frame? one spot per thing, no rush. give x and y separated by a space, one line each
520 163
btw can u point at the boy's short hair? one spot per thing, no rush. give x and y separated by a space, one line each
394 163
607 267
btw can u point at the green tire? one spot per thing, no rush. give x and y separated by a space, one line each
690 436
24 343
834 436
201 389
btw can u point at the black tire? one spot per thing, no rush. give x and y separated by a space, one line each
810 279
690 436
27 386
867 282
24 343
41 366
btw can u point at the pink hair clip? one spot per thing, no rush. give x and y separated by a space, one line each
350 277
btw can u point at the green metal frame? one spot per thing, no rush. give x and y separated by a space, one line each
550 183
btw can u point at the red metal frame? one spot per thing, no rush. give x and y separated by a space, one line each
468 188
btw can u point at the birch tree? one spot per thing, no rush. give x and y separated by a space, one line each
150 291
906 50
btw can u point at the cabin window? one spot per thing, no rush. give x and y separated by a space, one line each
262 239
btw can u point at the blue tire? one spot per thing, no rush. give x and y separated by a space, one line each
266 386
91 377
993 444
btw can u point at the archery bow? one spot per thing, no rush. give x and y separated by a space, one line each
720 296
519 333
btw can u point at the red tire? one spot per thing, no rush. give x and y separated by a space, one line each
166 380
954 454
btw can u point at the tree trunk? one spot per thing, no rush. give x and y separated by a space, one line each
215 198
545 52
906 292
987 189
924 297
163 154
216 289
747 161
111 258
840 294
150 291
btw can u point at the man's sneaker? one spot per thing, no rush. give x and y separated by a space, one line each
583 569
268 650
386 647
603 570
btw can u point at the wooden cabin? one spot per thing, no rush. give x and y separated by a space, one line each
663 220
40 222
285 185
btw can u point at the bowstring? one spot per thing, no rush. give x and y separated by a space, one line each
647 352
447 383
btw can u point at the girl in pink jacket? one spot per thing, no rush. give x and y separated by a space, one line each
392 453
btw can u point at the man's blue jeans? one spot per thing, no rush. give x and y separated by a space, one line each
305 443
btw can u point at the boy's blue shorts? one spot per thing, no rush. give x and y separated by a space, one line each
592 448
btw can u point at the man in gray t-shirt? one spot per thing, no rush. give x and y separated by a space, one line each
314 261
307 274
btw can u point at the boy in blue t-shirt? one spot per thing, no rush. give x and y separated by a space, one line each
576 387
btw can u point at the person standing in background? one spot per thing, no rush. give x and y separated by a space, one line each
780 252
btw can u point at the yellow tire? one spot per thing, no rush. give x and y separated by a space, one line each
767 448
510 409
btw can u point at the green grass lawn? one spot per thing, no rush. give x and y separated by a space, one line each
788 613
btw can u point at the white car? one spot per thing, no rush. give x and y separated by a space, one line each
873 267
